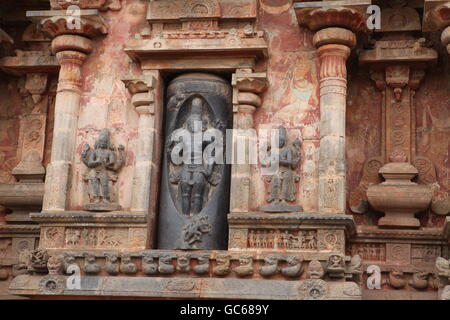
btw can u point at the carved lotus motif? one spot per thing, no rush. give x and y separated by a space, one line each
317 19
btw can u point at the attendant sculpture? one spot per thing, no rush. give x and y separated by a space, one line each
283 183
104 162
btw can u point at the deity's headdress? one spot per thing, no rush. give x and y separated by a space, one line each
104 137
196 110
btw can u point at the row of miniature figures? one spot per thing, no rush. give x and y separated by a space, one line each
153 263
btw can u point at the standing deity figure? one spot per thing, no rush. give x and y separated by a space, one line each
195 182
103 162
282 185
195 175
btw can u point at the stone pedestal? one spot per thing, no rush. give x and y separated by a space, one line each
398 197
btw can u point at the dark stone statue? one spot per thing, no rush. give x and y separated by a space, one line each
195 185
283 184
194 175
103 162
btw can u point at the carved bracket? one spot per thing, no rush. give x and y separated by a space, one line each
142 90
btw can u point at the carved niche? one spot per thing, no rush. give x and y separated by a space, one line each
397 67
103 163
195 187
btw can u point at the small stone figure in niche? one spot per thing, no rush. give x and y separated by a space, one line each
103 163
196 174
282 185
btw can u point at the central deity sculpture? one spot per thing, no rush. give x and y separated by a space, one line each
195 188
195 173
283 184
103 163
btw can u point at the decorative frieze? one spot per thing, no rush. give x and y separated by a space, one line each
301 232
227 264
91 230
282 239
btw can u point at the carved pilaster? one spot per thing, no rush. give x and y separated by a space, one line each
397 68
333 92
143 99
72 34
334 39
33 129
247 87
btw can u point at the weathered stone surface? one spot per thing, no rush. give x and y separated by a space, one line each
289 63
191 288
194 199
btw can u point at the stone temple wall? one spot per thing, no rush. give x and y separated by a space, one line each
91 92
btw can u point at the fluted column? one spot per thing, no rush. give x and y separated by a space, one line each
71 44
247 87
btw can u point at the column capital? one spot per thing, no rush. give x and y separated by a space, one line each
141 89
333 58
249 81
339 36
324 14
86 23
69 42
247 86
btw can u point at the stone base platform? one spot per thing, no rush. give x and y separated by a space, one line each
187 288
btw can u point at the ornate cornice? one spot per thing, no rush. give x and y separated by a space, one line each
19 229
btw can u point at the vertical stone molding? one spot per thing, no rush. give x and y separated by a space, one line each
333 93
334 39
143 99
72 44
33 126
247 87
